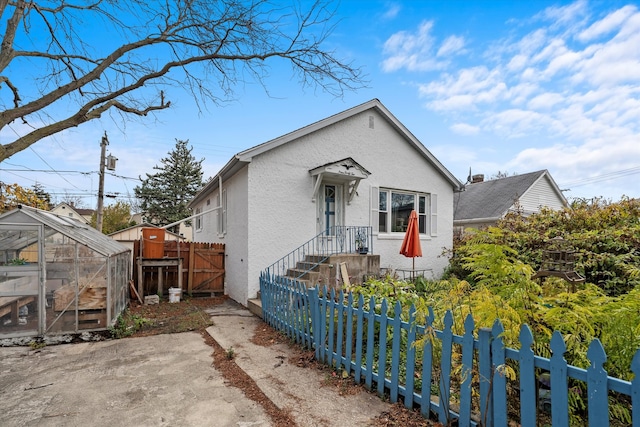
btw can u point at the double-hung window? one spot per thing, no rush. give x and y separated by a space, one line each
198 219
395 206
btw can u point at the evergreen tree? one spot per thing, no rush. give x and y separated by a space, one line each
40 192
164 195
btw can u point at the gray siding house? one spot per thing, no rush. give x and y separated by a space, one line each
482 203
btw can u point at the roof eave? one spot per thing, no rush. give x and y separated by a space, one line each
228 170
459 222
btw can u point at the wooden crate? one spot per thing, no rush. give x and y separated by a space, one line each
91 298
87 319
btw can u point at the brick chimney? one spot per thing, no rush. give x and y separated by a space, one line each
477 178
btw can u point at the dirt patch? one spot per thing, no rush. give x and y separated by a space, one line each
190 315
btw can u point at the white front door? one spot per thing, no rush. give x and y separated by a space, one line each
330 208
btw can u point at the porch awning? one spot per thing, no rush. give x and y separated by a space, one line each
343 171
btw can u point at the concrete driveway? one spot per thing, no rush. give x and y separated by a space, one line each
169 380
164 380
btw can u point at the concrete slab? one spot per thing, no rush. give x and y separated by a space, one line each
290 387
165 380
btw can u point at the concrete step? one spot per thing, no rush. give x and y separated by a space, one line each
255 306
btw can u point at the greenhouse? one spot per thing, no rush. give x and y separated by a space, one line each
58 276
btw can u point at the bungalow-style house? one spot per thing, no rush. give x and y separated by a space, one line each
70 211
482 203
360 167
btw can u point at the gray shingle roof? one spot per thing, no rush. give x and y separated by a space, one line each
492 199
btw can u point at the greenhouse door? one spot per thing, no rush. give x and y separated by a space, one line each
21 278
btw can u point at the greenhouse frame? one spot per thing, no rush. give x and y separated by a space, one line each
58 275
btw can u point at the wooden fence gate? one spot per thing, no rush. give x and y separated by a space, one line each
202 268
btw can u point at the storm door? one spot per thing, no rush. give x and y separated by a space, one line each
331 207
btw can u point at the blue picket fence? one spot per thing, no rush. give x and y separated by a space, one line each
410 361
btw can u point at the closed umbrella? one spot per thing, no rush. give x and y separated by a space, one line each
411 244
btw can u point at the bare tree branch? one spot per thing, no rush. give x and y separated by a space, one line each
206 47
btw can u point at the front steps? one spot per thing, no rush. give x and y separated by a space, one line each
327 273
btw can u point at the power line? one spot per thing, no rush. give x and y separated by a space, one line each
603 177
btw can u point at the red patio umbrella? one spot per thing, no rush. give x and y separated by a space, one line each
411 244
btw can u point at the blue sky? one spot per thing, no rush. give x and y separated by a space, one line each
507 86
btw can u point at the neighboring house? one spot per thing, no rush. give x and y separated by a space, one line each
360 167
128 235
68 210
186 231
483 203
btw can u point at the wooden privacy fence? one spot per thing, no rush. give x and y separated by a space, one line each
202 268
476 381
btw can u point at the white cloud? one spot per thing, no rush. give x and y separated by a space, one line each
465 129
545 101
567 15
392 11
466 89
607 25
415 51
452 45
515 123
567 84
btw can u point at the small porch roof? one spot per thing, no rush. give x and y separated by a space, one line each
343 171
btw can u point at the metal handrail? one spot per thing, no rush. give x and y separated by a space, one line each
334 240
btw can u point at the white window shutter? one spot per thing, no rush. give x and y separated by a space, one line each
374 220
434 214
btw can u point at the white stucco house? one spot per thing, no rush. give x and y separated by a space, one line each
360 167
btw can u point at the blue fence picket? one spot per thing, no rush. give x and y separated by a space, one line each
597 392
466 372
558 379
332 317
370 341
296 312
395 352
322 326
427 365
340 332
305 316
445 369
382 350
313 307
635 388
410 365
359 339
499 376
485 369
349 338
528 388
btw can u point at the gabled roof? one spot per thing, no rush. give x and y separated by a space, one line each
241 159
72 228
491 200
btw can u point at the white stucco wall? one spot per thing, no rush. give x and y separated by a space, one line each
270 211
283 216
235 239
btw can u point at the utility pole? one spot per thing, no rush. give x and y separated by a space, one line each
103 152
